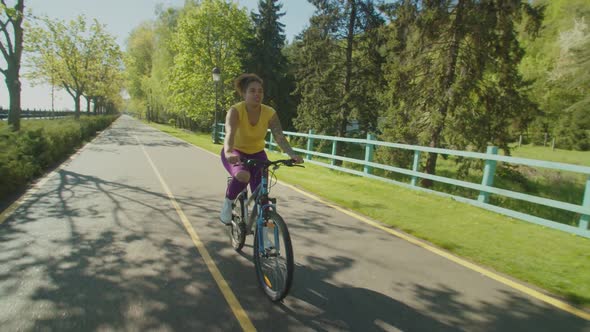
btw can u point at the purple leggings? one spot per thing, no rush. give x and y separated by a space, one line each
235 186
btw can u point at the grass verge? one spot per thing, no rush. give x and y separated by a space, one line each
556 261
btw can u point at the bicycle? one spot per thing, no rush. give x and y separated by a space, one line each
273 252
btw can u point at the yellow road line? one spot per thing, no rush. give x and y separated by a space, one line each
522 288
527 290
229 296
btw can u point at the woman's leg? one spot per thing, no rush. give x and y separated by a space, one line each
256 172
240 176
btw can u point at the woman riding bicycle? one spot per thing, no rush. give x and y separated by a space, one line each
246 124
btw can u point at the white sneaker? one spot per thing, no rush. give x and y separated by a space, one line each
226 214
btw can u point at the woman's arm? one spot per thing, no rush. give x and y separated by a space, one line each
231 123
277 132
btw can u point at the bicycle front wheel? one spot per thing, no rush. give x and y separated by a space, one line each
273 258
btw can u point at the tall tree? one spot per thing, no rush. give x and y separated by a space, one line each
149 62
141 46
334 64
163 62
105 73
202 43
11 45
267 59
454 77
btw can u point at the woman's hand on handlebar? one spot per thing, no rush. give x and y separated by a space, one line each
297 158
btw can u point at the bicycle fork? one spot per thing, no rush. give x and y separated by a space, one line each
263 227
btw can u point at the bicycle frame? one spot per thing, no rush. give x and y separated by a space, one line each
262 203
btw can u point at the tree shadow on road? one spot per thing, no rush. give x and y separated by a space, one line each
328 305
62 268
65 266
324 304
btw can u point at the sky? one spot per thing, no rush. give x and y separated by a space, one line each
120 17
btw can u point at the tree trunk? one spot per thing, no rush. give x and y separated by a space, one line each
12 72
447 82
77 104
341 131
14 89
87 104
432 157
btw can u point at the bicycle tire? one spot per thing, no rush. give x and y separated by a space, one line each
237 229
275 286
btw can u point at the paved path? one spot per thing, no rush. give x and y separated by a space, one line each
100 246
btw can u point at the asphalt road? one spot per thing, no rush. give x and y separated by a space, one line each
105 244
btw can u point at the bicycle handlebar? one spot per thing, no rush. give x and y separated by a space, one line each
268 163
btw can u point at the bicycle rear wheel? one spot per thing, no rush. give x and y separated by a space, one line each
237 229
274 265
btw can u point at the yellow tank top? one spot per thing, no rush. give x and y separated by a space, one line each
250 139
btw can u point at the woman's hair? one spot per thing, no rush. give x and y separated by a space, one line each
241 83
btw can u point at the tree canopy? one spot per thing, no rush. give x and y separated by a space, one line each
447 73
80 58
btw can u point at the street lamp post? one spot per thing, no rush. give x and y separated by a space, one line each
216 78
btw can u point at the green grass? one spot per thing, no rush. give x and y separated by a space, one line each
547 183
557 155
553 260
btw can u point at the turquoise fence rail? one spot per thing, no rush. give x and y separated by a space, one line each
486 187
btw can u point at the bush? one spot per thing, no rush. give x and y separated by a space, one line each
39 145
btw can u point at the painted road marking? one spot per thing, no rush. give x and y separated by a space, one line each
527 290
229 296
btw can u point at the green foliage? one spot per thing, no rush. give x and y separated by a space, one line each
453 76
138 59
268 61
558 64
162 61
39 145
441 73
338 67
202 43
80 58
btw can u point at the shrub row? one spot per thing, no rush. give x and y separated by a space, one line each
41 144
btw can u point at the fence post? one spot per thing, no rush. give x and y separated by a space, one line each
369 149
488 174
415 167
309 144
270 141
519 140
584 219
333 162
553 144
